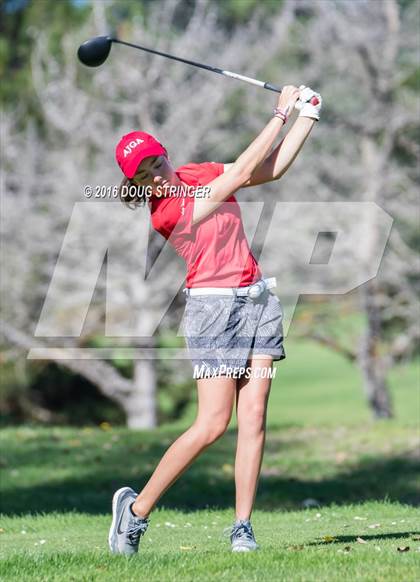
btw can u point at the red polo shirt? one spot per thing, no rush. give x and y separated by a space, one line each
215 249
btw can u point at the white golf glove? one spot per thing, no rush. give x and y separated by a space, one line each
305 107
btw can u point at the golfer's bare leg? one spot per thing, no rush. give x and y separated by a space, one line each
251 410
216 397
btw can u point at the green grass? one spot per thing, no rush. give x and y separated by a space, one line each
304 545
57 484
318 386
315 386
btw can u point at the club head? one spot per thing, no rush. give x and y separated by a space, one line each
95 51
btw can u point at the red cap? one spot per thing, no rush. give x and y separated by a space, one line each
133 148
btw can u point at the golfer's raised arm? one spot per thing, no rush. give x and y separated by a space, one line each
241 171
282 157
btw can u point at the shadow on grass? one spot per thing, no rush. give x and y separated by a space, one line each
367 538
83 475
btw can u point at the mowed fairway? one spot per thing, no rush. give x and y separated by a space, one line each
57 485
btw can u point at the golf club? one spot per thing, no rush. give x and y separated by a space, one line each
95 51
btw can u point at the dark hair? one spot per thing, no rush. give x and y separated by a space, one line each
131 194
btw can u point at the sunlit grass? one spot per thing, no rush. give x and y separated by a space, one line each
322 448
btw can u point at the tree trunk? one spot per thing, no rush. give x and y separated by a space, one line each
137 397
140 406
369 358
376 388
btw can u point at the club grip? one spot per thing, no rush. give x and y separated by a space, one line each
271 87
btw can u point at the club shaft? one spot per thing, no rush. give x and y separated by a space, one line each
250 80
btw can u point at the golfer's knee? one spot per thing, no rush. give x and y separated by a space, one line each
253 422
211 430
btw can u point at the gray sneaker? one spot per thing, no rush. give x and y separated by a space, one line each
242 536
126 529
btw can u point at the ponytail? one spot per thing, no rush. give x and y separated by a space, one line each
131 194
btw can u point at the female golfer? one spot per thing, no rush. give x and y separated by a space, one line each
232 322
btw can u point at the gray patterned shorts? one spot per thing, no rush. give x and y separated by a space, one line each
227 329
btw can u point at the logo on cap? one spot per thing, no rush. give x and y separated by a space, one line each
133 148
133 144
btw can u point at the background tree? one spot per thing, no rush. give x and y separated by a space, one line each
84 113
61 135
363 56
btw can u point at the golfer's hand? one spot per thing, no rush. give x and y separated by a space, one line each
304 105
288 97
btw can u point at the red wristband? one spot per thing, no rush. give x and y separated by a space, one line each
280 113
